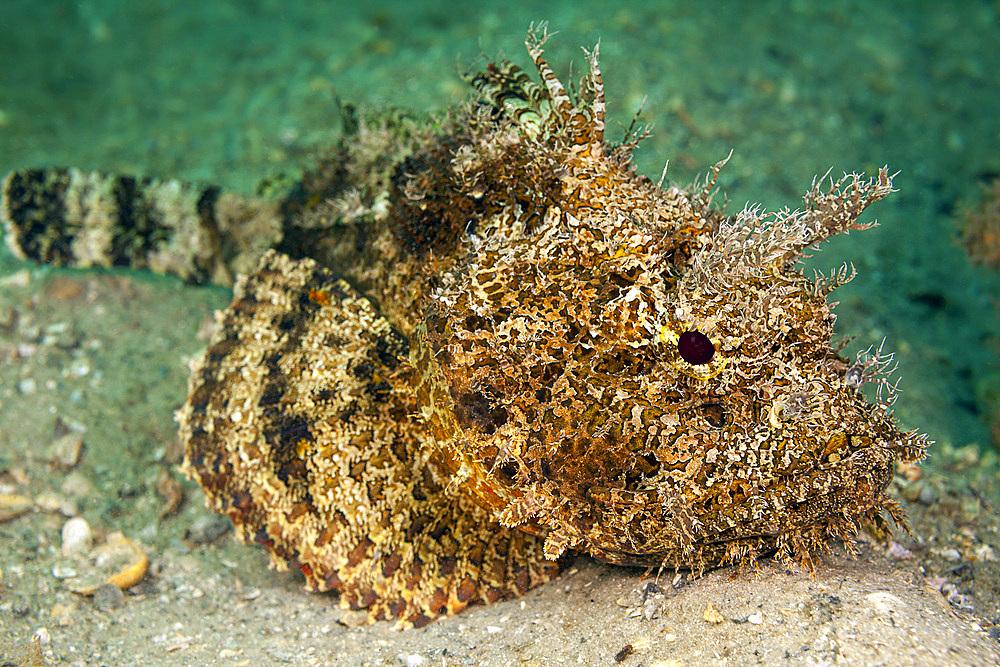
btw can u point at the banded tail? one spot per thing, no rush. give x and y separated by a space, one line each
70 217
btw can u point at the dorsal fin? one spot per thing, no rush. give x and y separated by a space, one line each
509 90
581 121
562 105
547 108
595 91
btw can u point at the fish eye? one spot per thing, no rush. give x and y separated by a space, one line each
695 348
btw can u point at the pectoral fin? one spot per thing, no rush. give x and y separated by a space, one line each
300 425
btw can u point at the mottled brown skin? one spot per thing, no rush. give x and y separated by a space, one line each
301 427
494 374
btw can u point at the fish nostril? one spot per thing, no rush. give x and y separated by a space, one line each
714 414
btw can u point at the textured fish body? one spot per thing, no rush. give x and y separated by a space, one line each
477 341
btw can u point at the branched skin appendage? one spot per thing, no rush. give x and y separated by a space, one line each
527 349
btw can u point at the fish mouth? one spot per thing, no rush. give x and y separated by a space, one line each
798 515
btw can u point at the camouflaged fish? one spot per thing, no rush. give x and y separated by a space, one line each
463 347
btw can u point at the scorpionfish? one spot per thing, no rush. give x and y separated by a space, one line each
462 347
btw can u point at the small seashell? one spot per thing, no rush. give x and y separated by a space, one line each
42 637
712 615
951 554
131 574
984 552
63 571
64 452
77 538
119 561
12 505
54 503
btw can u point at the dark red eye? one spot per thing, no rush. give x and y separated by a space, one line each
695 348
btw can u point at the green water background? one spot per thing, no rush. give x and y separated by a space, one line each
227 92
